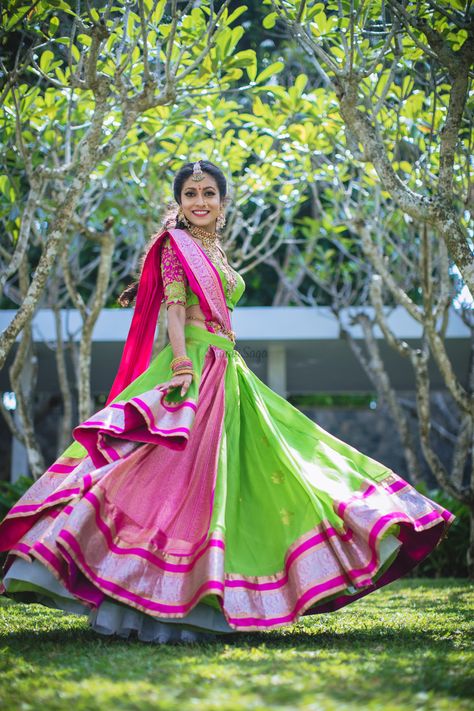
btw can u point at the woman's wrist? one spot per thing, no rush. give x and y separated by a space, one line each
182 365
181 360
183 372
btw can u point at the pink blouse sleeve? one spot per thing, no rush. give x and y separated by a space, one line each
174 277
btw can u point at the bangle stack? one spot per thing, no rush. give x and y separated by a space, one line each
182 365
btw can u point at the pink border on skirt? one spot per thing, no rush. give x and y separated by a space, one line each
323 561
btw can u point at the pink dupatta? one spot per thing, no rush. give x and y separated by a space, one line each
204 280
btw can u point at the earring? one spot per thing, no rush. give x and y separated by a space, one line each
220 222
181 217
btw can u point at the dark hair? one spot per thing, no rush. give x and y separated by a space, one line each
128 295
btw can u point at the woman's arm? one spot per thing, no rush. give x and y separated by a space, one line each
176 318
174 282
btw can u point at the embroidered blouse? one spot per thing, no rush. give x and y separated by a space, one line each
176 286
174 276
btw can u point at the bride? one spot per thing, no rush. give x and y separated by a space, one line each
198 501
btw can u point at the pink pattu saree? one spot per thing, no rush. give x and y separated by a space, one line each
221 511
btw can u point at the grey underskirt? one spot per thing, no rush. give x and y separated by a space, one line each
111 617
114 618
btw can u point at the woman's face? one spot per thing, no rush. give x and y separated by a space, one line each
201 202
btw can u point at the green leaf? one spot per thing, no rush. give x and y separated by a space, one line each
62 75
228 39
270 20
61 5
318 26
300 83
237 13
4 184
45 60
270 71
252 71
273 89
158 14
53 26
84 39
75 53
233 75
246 58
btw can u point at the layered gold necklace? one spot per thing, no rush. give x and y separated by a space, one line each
211 244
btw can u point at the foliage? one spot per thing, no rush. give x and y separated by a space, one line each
11 492
278 135
402 83
74 73
402 75
405 646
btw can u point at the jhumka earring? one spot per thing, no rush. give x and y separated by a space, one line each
181 217
220 222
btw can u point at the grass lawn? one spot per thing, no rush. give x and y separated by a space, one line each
406 646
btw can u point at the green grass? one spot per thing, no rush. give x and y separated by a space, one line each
406 646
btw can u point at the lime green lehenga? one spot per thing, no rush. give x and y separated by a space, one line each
221 511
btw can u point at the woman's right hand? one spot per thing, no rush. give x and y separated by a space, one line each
184 381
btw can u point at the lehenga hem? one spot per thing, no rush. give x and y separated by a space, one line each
261 518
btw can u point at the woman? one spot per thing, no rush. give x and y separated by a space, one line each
198 501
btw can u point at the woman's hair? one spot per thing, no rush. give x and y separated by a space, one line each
171 217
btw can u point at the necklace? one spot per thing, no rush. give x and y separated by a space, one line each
211 245
208 239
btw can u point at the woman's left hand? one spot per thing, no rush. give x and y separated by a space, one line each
184 380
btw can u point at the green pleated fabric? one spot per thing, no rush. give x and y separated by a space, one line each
277 474
278 470
300 519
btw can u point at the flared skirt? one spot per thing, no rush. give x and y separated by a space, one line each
225 510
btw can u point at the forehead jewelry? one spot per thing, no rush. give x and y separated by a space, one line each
198 173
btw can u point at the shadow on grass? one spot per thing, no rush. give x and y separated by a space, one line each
301 639
348 667
409 644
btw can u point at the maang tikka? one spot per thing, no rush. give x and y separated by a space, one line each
198 173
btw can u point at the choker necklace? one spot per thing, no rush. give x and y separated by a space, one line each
208 239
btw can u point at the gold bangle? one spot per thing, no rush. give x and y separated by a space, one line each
179 359
184 371
186 361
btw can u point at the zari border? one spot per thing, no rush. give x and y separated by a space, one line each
311 573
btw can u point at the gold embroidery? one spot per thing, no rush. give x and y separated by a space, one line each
174 278
286 516
278 477
175 293
218 257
